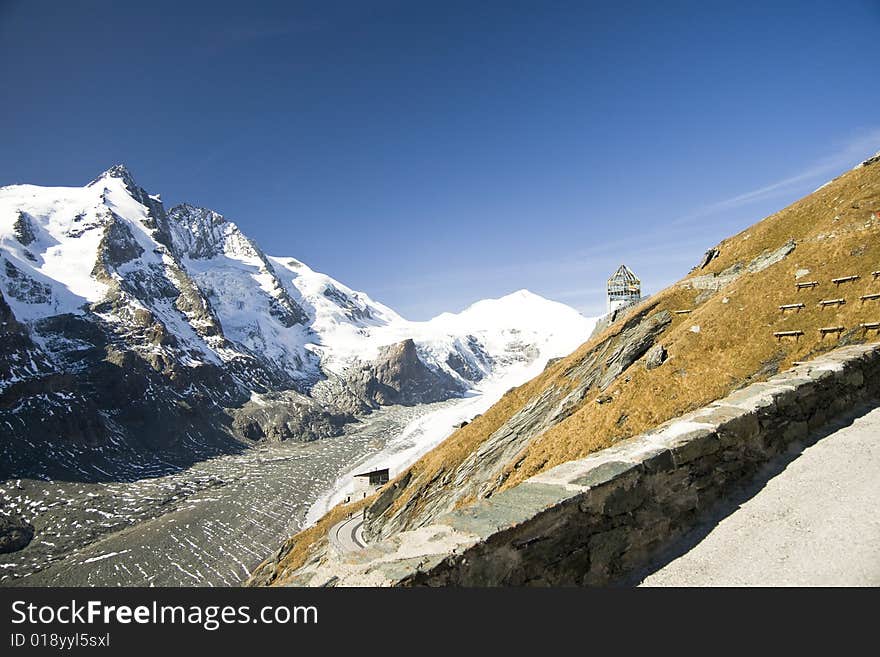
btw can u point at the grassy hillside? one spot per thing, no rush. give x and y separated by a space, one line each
724 342
837 234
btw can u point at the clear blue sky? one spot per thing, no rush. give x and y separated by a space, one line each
434 153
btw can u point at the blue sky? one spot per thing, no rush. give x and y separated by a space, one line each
435 153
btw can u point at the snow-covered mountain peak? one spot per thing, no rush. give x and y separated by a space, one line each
178 317
517 309
204 292
522 294
514 299
119 172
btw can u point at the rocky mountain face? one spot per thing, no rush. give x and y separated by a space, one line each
15 533
485 469
398 376
136 339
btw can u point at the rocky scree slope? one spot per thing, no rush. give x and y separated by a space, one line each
696 341
137 339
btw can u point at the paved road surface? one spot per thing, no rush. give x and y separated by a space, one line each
348 535
817 522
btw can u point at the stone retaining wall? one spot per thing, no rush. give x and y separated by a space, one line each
593 521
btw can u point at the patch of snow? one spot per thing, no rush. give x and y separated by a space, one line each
67 225
105 556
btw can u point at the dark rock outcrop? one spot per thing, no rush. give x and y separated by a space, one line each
655 357
23 230
634 342
117 247
717 281
15 533
460 360
708 257
20 358
874 159
288 416
398 376
23 287
354 311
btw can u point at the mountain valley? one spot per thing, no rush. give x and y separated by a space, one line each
150 357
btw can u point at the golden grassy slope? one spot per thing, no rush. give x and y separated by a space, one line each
837 234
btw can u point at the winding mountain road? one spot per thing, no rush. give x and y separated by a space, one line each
348 535
810 520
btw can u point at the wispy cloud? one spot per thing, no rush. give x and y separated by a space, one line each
667 251
660 254
846 155
660 262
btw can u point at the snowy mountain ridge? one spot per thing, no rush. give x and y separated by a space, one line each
102 279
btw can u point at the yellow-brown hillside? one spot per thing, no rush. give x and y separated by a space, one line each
836 231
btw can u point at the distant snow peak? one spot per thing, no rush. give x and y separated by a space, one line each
119 171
